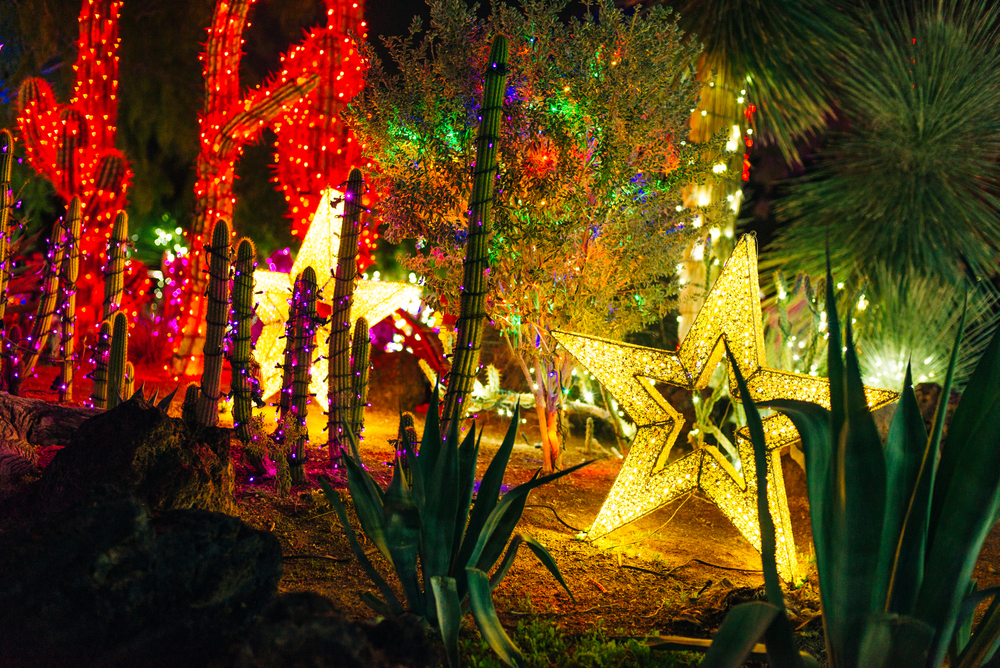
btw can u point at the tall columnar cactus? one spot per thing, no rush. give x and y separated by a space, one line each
288 355
114 268
70 274
339 378
41 327
217 320
6 204
117 359
128 387
361 347
242 318
13 361
99 396
471 320
189 409
303 346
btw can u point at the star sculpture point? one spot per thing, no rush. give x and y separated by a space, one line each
373 300
646 482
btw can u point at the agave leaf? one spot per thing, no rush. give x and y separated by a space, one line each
481 600
402 533
165 402
835 360
138 394
966 497
367 506
449 615
489 493
985 640
390 597
369 483
540 551
440 505
430 442
909 466
377 605
742 628
468 455
156 393
894 640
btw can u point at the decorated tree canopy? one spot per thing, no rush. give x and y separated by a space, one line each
588 217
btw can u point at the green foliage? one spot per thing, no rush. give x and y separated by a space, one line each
911 183
897 529
217 321
544 645
442 545
588 219
262 447
243 388
361 347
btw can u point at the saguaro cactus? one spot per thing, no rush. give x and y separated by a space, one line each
242 318
217 319
189 408
99 396
70 274
339 377
6 203
471 320
304 331
361 347
114 268
42 325
117 359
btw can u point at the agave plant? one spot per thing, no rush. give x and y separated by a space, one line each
897 528
441 544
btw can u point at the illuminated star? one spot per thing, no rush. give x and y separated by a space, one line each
373 300
647 481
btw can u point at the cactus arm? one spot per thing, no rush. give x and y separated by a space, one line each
190 405
6 203
70 273
217 320
345 280
100 391
361 346
242 318
128 388
42 324
114 268
471 320
117 359
304 337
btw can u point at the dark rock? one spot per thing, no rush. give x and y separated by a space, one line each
304 629
396 382
137 449
107 584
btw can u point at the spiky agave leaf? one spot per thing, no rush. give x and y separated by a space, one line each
912 182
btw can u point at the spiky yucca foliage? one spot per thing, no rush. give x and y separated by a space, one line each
912 182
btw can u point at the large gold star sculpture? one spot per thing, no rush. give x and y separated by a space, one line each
647 481
373 300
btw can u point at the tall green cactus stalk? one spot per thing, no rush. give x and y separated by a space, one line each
70 272
117 359
361 347
114 268
339 379
303 347
42 325
242 318
472 317
99 396
217 319
13 361
189 409
6 204
128 387
288 355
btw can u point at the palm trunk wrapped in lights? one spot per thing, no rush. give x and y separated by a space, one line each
361 346
339 377
304 333
114 268
471 320
6 203
70 274
117 359
242 318
99 395
42 325
217 320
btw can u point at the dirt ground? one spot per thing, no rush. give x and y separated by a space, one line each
676 571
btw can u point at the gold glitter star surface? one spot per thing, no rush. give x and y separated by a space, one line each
647 481
373 300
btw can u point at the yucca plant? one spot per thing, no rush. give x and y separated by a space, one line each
897 528
441 545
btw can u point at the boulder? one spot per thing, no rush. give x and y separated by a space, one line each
136 449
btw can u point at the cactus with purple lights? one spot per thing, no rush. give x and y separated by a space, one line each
117 359
361 347
241 319
302 346
70 274
99 395
41 327
339 379
114 268
6 204
217 320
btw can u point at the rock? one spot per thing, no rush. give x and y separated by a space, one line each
109 584
306 629
137 449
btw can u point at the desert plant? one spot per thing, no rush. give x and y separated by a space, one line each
6 203
303 342
117 359
217 320
433 522
128 386
361 347
13 361
339 379
897 529
99 395
242 348
41 326
189 409
114 268
70 274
